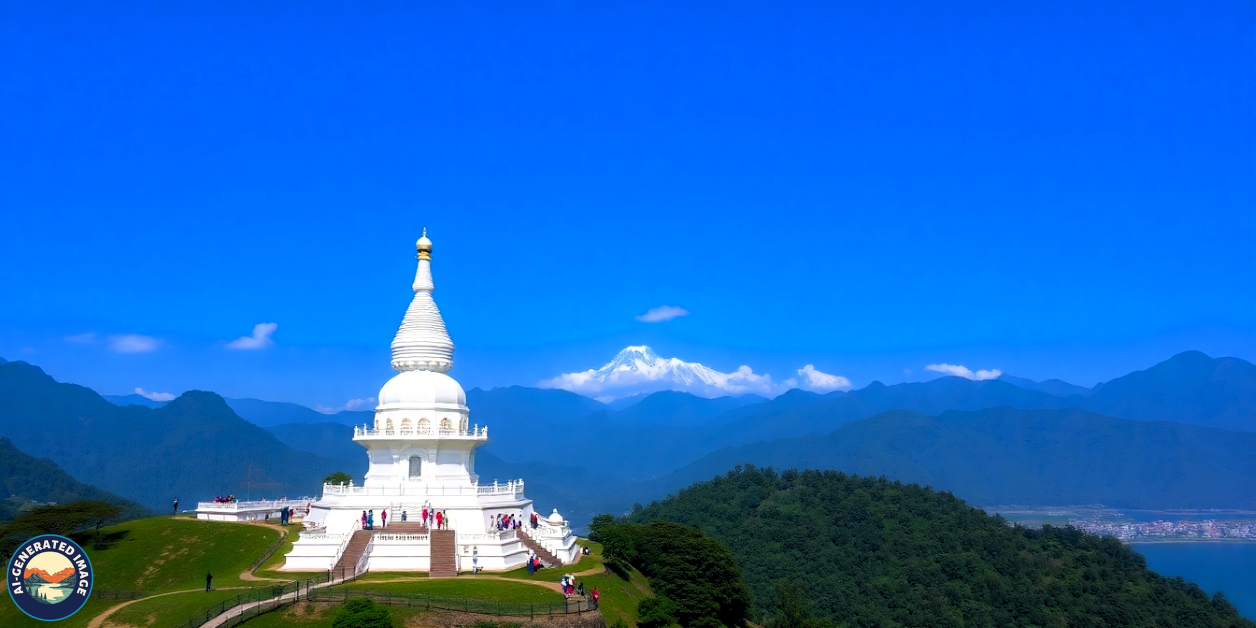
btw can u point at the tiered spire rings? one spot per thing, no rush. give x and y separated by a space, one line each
422 343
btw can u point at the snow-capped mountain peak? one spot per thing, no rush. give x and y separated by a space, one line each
637 369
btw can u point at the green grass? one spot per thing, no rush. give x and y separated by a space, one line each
171 610
321 616
270 568
554 574
617 597
161 554
11 616
462 587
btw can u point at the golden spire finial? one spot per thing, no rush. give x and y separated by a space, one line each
424 246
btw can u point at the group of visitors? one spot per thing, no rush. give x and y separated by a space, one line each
433 518
508 522
534 520
285 515
534 563
230 499
571 587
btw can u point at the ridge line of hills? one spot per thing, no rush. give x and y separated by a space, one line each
948 433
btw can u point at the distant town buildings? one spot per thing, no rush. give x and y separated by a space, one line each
1206 530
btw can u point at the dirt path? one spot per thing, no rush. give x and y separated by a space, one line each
100 619
248 574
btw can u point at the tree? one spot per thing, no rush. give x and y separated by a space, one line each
656 611
62 520
791 609
339 477
362 613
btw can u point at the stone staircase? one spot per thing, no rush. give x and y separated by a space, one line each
547 558
444 554
353 551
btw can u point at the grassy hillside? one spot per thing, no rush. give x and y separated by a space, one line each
164 555
871 552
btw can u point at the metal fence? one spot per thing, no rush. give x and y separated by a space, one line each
569 606
269 597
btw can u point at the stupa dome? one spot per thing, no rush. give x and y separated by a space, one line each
422 390
555 517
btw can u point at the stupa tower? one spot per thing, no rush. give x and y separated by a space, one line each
421 436
420 449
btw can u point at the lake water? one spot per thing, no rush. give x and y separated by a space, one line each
1226 567
51 593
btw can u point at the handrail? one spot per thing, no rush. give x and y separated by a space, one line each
364 559
513 487
259 504
477 432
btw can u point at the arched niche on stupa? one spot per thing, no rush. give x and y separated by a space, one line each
405 427
424 426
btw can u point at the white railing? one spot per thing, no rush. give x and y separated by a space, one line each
514 487
340 551
360 568
495 535
321 537
399 538
476 432
257 504
546 530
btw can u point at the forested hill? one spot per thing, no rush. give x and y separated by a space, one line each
870 552
24 477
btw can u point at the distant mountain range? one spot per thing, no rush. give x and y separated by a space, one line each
25 479
1003 456
193 448
1173 435
261 413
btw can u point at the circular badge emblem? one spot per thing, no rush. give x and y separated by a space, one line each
50 577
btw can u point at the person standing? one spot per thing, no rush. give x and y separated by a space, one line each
176 506
370 519
363 519
446 513
403 516
383 518
209 580
424 513
440 520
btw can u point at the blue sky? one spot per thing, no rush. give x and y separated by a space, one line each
1063 190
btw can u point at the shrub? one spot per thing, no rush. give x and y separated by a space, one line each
362 613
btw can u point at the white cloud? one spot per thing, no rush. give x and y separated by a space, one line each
352 404
155 396
259 340
964 371
83 339
133 343
818 381
662 313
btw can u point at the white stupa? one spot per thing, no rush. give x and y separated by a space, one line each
421 451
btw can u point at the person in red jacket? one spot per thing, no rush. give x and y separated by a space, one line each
440 520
